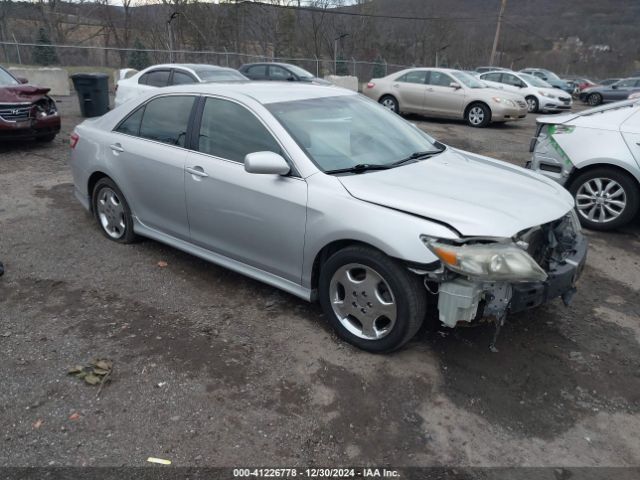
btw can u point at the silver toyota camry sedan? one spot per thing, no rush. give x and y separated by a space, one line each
328 195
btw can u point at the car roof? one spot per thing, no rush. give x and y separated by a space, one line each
189 66
262 92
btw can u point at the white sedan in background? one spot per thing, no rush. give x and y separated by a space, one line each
540 96
596 156
171 74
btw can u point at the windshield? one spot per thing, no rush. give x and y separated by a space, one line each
220 75
348 130
534 81
6 78
550 74
300 72
468 80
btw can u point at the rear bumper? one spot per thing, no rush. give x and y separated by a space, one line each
30 128
561 282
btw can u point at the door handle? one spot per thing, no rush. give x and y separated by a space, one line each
116 147
197 171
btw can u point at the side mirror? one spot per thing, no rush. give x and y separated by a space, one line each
266 163
615 87
455 85
22 80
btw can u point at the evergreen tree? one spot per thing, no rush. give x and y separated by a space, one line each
139 59
378 69
44 53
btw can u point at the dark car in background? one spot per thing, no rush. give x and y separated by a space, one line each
279 72
26 111
610 93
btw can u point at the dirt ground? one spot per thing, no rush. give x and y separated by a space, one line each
212 368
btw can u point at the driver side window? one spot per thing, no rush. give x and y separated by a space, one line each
439 79
279 73
230 131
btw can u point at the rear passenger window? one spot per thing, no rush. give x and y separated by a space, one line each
131 125
180 78
166 119
492 77
155 78
230 131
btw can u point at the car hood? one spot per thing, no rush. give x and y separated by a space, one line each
22 93
477 196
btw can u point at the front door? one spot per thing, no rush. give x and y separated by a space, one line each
441 98
256 219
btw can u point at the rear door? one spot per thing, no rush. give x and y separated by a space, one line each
493 79
410 90
147 152
441 98
621 91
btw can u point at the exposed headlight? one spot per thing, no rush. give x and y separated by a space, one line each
504 101
491 262
545 94
575 221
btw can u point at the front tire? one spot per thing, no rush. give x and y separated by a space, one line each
390 102
532 104
370 300
112 212
594 99
478 115
606 198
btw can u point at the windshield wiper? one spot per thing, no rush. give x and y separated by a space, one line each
361 167
418 156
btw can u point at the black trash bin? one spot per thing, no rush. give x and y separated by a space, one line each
93 93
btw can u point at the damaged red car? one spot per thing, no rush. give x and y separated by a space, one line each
26 111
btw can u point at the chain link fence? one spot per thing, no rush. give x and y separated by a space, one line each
65 56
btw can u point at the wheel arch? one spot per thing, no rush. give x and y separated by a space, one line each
599 163
91 183
476 102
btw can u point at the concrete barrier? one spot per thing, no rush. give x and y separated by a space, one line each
57 79
345 82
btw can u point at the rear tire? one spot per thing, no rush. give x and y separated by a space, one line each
594 99
532 104
390 102
606 198
371 300
478 115
112 212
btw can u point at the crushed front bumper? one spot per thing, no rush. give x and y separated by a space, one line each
30 127
561 282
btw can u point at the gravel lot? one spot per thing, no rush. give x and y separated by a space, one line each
211 368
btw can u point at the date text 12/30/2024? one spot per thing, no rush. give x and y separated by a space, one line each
286 473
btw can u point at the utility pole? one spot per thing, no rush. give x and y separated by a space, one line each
497 37
335 51
170 34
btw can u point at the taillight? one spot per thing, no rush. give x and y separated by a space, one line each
73 140
371 85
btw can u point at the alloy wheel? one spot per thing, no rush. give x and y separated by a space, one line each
389 103
111 213
532 105
601 200
476 115
363 301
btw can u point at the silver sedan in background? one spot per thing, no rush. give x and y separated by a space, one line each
327 195
446 93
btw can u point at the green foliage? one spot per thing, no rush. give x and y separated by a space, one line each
44 53
342 68
379 70
138 58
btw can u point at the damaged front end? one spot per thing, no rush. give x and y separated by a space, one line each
480 278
